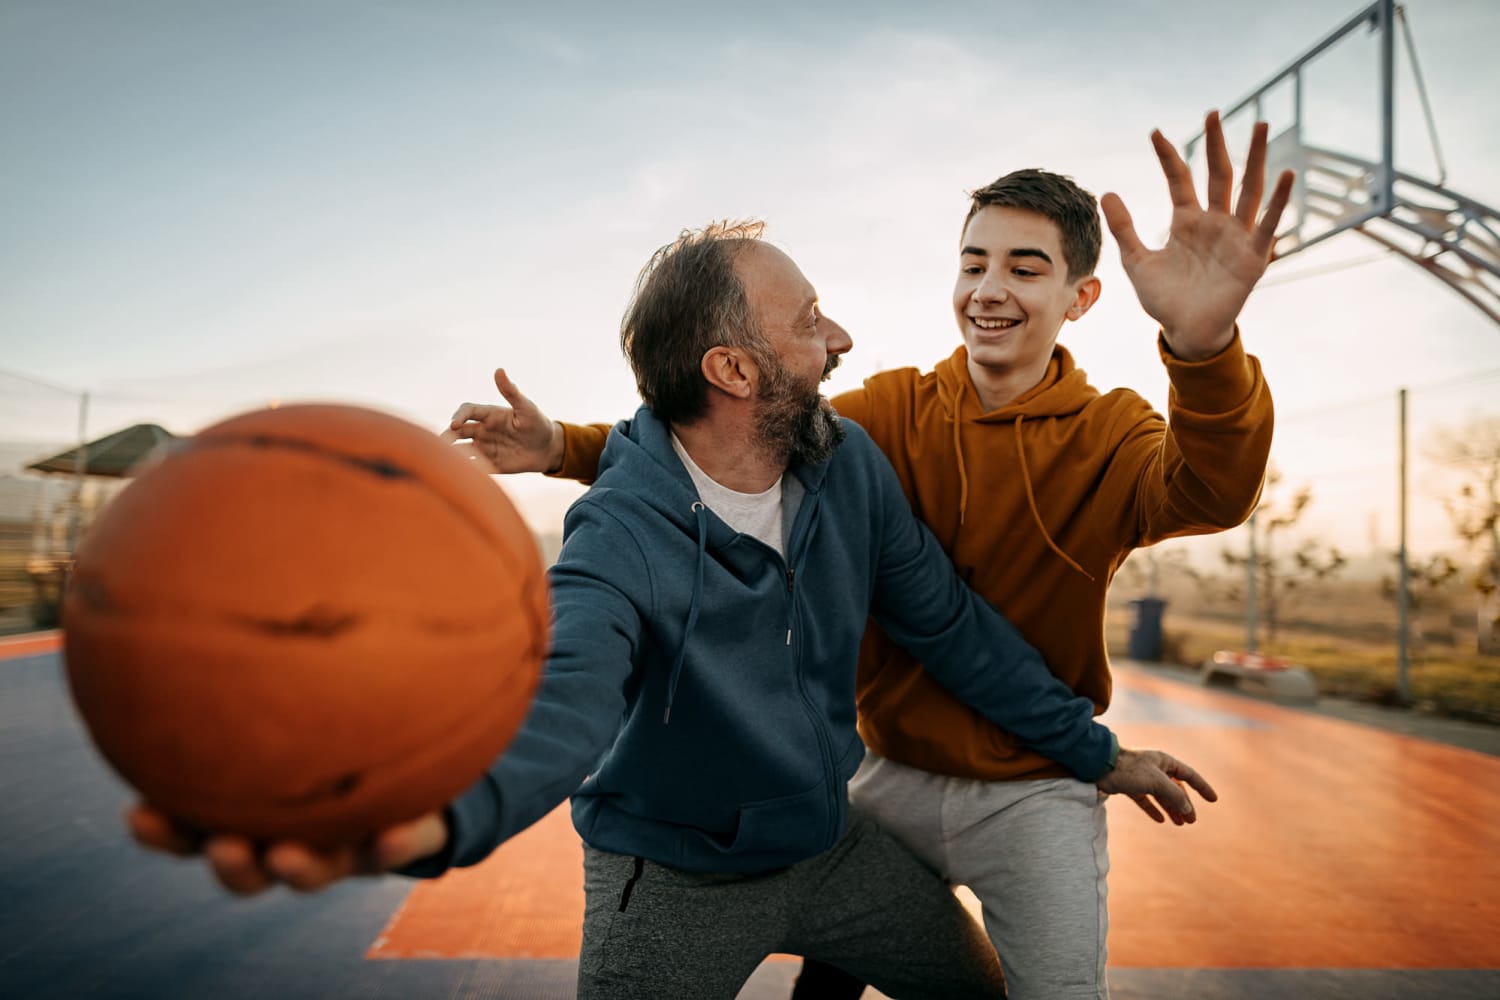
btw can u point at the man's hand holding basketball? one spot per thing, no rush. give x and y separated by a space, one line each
246 868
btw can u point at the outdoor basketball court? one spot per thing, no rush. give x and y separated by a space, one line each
1342 861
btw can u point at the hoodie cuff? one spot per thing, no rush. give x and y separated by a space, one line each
1219 384
582 446
471 817
1095 755
434 864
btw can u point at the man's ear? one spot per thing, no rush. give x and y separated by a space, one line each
1085 294
730 370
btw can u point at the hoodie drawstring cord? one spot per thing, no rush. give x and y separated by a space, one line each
963 473
692 619
1031 499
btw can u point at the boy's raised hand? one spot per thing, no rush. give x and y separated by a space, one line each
1196 285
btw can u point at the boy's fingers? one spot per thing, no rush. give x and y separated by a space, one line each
470 413
1179 177
1117 217
512 395
1220 166
1265 233
1253 183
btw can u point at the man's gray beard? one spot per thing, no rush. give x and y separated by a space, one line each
795 422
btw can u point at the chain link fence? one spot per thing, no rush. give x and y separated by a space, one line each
37 511
48 494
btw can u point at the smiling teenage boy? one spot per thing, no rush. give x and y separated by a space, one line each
1037 486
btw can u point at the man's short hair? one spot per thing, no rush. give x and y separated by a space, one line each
1055 197
687 301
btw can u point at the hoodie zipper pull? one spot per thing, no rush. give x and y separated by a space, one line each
791 577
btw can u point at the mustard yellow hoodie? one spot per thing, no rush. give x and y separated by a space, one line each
1037 503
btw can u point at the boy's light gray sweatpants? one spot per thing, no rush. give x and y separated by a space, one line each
866 905
1035 853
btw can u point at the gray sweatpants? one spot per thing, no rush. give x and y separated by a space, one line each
866 905
1035 853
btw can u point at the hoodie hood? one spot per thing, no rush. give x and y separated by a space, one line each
641 454
1064 390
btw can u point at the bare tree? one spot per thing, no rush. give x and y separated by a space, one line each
1278 575
1144 568
1475 512
1426 582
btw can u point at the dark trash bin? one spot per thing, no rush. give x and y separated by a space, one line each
1145 628
49 581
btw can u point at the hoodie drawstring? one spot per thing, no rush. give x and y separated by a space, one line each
963 473
1031 499
692 619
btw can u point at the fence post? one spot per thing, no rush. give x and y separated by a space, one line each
75 521
1403 570
1252 623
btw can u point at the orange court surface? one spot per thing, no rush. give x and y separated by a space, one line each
1344 860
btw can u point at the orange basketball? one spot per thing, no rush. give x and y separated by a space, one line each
309 623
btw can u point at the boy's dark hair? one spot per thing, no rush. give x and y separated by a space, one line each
687 301
1056 197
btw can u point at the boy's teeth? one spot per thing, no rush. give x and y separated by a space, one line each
993 324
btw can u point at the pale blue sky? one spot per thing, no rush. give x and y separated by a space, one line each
209 205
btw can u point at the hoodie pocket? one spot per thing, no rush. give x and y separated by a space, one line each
792 823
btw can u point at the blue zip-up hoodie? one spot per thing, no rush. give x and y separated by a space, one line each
698 701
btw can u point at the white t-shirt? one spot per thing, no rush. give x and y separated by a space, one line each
755 514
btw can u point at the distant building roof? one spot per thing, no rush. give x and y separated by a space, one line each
114 455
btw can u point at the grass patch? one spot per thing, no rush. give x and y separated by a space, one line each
1443 679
